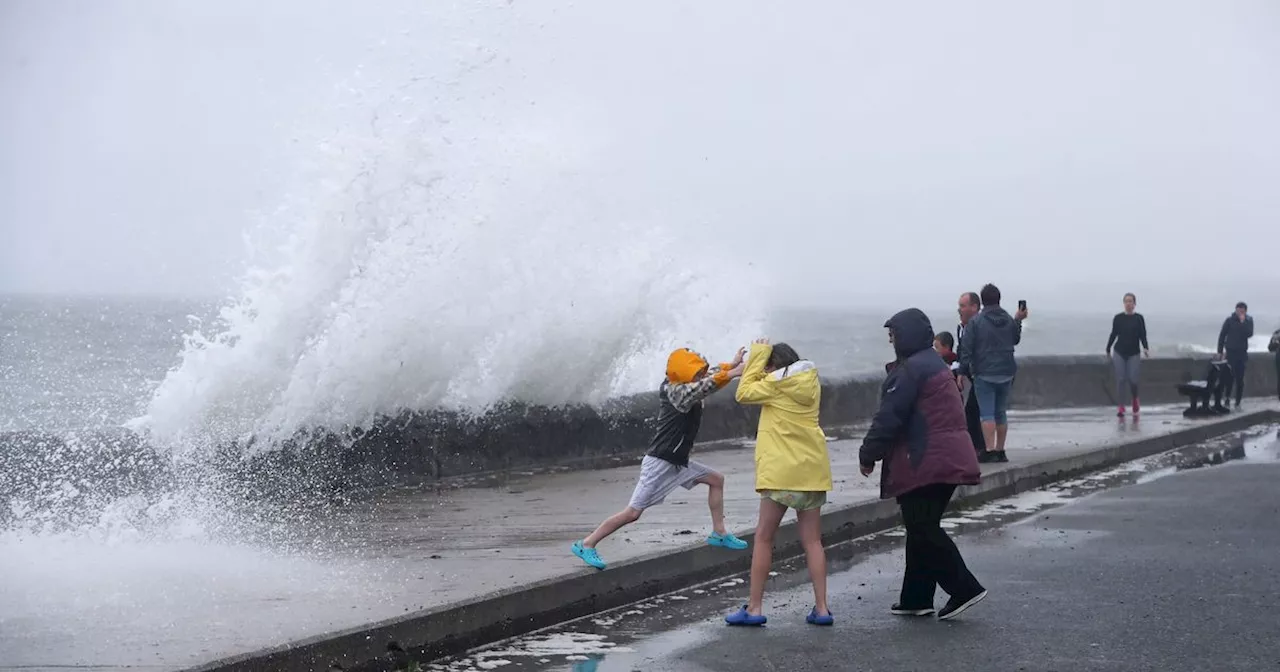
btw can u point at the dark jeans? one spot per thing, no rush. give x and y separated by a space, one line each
1238 361
973 421
932 558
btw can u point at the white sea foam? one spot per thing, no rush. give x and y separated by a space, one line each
1256 344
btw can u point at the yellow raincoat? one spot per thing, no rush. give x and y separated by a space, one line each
791 450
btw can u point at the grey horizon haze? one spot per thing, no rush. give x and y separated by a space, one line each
1071 151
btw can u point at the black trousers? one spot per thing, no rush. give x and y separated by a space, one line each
932 558
973 420
1238 361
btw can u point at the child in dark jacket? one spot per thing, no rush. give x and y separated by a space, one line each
667 466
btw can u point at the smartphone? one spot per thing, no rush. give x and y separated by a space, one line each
1022 304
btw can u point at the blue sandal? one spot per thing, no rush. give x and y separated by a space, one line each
726 540
588 555
814 619
741 617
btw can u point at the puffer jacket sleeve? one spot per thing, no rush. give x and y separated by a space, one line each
896 406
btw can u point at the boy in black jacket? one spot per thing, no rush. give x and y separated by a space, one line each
666 465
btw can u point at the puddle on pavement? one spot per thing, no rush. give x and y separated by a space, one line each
586 644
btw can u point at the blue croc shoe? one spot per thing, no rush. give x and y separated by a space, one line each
727 540
588 555
741 617
814 619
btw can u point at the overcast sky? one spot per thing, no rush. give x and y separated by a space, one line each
855 147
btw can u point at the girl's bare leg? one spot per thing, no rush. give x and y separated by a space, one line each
771 514
810 523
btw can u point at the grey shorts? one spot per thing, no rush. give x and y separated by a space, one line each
658 478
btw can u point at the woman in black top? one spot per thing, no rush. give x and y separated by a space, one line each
1128 332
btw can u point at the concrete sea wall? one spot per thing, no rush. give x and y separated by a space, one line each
40 469
423 448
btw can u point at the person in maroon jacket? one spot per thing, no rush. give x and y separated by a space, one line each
920 436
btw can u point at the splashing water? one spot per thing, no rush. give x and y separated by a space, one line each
442 261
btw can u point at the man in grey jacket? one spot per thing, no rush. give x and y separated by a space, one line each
986 355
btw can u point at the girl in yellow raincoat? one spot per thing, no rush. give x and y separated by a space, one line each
793 470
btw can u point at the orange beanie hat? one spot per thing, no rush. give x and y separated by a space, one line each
683 365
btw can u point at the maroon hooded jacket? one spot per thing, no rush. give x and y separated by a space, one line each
919 432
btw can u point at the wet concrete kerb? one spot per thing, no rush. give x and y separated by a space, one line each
452 629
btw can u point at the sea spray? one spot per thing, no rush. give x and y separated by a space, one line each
442 260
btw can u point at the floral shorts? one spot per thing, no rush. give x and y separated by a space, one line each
800 500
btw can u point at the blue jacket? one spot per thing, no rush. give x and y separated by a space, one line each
987 347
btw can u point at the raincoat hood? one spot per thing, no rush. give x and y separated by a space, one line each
683 365
798 383
997 316
912 332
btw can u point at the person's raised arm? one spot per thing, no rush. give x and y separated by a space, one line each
755 388
684 396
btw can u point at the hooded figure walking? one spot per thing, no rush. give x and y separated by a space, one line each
920 436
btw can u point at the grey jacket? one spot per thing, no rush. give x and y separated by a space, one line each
989 340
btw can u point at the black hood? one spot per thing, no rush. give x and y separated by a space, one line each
912 332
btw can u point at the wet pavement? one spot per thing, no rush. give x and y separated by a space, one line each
107 601
1167 563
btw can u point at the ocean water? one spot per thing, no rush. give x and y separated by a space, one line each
82 363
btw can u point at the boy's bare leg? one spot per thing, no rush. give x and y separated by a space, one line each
715 500
612 524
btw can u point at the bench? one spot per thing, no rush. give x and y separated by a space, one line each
1199 392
